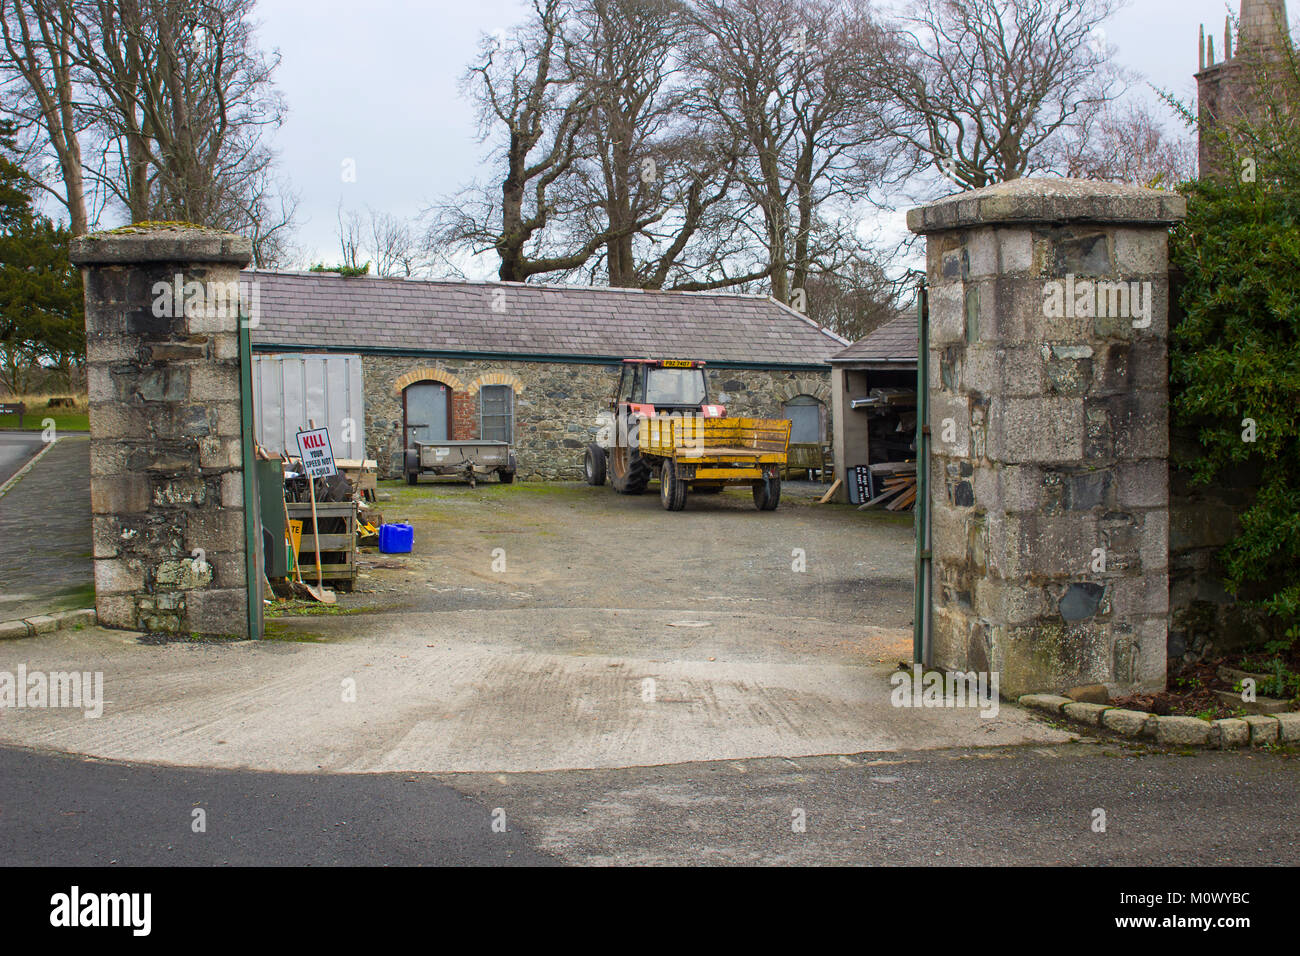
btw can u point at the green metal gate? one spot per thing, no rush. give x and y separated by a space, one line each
921 652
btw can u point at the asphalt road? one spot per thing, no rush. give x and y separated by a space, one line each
15 449
961 807
58 810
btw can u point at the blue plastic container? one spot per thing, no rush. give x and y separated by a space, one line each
396 538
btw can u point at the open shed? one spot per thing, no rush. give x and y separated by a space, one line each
873 407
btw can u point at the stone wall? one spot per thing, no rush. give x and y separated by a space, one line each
1049 424
556 403
166 458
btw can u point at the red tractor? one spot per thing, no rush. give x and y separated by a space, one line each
661 424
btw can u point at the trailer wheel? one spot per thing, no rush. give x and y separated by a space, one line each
630 473
507 477
594 465
672 490
412 477
767 493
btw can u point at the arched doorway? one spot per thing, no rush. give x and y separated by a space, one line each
426 412
807 424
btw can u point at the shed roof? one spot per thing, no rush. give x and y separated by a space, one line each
329 312
894 343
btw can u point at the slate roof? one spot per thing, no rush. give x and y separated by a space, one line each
894 343
329 312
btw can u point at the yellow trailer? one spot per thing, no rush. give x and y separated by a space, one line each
708 454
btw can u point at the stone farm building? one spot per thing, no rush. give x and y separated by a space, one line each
535 363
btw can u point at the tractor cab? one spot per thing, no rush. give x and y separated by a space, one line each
649 387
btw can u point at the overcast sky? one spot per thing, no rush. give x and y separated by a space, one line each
377 83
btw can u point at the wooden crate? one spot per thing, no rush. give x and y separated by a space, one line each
362 474
338 541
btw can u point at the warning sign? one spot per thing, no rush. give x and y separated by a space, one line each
316 453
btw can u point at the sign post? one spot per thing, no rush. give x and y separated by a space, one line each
316 453
317 458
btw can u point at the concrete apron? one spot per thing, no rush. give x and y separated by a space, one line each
472 702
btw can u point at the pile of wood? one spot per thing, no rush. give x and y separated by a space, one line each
896 482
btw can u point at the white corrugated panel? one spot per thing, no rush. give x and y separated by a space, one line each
292 388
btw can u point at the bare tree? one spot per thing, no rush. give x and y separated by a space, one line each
528 97
650 174
989 83
351 233
393 245
184 95
168 98
796 82
39 74
1127 143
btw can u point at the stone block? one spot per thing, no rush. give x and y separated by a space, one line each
179 491
115 610
81 617
160 384
1182 731
1264 729
43 623
14 630
218 612
1015 250
215 530
118 576
220 453
232 489
1085 713
215 382
1142 484
1141 252
117 421
108 459
1288 727
119 495
1036 430
100 384
947 314
183 574
1230 732
228 423
1048 702
1130 723
1089 694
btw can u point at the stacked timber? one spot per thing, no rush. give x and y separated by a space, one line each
896 481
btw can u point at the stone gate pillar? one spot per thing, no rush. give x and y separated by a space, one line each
1049 422
166 456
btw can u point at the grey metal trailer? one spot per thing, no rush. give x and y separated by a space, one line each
469 460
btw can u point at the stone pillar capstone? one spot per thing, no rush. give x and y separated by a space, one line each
166 457
1049 423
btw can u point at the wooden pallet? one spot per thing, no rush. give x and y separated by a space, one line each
338 544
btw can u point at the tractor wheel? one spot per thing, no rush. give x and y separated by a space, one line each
672 490
412 477
767 493
629 472
594 465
